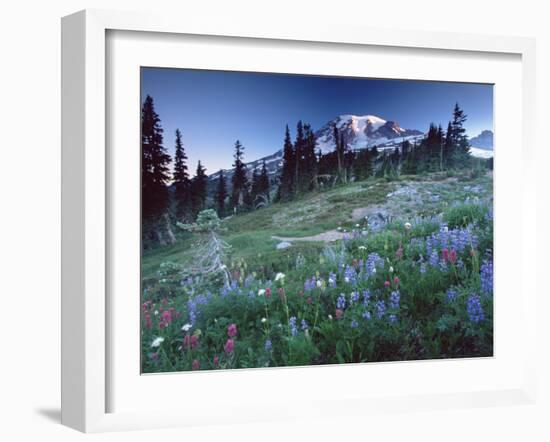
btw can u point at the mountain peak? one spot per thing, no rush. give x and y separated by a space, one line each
361 131
483 141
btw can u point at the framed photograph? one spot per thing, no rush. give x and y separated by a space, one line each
292 223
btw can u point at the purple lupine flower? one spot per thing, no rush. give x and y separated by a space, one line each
486 274
380 309
310 284
293 328
434 259
366 297
192 311
332 280
366 315
451 294
458 239
341 302
374 262
354 297
354 324
248 280
474 309
394 299
392 318
268 345
304 325
350 275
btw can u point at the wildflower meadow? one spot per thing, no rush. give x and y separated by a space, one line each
419 289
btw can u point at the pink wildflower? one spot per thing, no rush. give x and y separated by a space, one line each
216 361
191 342
396 280
445 254
196 364
452 256
281 294
229 346
148 322
339 313
268 292
232 330
399 253
387 284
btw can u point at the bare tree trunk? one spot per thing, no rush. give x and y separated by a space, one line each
169 233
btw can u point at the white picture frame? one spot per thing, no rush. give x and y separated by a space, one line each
85 202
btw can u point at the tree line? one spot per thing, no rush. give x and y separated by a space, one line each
168 197
304 170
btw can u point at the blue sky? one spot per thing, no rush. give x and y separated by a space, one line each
215 108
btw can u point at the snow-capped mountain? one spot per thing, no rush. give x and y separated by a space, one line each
363 131
483 141
359 132
482 145
273 163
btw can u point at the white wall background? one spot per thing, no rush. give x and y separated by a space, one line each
30 215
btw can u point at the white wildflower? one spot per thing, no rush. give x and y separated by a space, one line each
279 276
261 292
264 320
187 327
391 269
357 225
319 283
156 312
408 226
362 248
157 341
330 317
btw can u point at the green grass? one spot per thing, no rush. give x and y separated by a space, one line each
250 234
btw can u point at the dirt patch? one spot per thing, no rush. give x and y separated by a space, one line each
328 236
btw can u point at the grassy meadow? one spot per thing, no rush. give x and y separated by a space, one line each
369 271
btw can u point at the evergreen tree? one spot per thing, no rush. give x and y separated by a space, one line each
154 165
198 189
286 186
299 146
221 195
461 145
182 184
263 186
362 165
239 194
429 151
395 159
341 147
309 162
255 186
409 154
448 148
